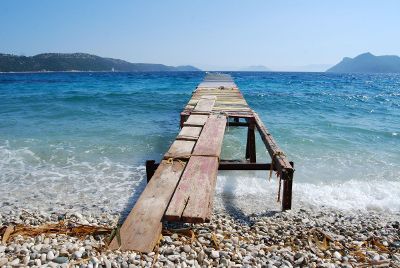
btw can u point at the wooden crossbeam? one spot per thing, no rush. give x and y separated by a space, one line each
151 166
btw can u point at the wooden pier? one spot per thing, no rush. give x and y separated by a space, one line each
181 187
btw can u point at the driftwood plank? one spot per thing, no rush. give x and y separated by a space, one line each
192 200
180 149
210 140
196 120
142 228
189 133
205 104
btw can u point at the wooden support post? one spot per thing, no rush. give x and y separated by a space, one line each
184 117
251 142
151 167
287 188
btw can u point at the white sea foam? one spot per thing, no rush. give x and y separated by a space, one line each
28 181
347 195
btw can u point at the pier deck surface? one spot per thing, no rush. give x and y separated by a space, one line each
182 187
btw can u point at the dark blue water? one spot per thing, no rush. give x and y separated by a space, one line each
68 136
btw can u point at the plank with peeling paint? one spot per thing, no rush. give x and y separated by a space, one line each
205 104
196 120
189 133
192 200
180 149
212 135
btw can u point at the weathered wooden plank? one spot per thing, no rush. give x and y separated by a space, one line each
273 149
196 120
200 205
189 133
142 228
210 141
205 104
192 200
180 149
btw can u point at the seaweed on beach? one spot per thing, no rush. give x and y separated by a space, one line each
319 240
62 227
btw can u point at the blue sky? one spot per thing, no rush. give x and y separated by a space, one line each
209 34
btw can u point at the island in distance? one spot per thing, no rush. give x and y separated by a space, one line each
367 63
255 68
60 62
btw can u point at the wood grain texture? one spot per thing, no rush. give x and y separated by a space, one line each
142 228
196 120
272 147
212 135
192 200
189 133
180 149
205 104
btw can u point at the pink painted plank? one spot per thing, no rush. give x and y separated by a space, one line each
212 135
180 149
189 133
192 200
200 205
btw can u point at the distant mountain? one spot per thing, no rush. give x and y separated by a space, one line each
368 63
255 68
79 62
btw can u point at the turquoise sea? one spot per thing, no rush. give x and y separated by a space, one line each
81 139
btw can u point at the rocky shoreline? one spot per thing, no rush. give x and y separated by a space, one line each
297 238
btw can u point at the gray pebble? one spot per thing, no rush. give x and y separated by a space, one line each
337 255
15 262
60 260
168 239
107 263
50 255
186 248
215 254
173 258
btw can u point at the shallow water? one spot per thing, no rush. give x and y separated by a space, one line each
79 140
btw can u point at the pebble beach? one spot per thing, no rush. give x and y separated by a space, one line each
297 238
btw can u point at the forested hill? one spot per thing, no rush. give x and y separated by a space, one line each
79 62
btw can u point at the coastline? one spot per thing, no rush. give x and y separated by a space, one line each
109 71
302 237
